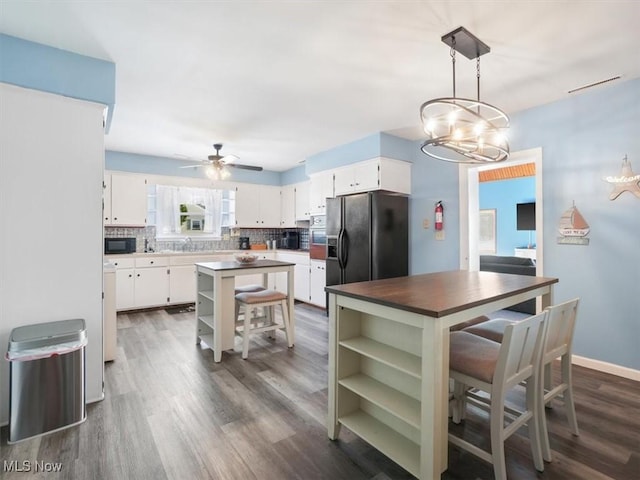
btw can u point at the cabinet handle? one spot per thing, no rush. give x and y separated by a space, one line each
151 262
115 218
130 275
138 275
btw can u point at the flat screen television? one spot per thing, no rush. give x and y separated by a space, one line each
526 216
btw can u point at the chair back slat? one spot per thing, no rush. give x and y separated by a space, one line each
521 349
560 327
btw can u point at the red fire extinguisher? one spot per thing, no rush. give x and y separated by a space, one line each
439 215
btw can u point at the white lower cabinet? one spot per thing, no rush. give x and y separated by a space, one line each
317 282
151 282
125 294
301 282
182 283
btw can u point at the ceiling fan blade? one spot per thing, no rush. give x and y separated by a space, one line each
230 158
194 166
244 167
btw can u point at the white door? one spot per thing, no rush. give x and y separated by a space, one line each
366 176
302 201
288 206
269 206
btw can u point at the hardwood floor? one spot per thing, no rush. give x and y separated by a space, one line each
170 412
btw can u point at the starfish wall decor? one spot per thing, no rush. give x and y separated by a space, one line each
626 182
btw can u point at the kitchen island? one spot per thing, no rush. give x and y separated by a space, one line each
215 304
389 356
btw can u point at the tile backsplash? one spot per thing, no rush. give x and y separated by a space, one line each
256 236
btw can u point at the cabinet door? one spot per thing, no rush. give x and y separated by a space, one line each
321 188
318 281
128 200
269 206
288 206
366 176
182 284
344 180
125 288
152 286
247 201
302 201
301 282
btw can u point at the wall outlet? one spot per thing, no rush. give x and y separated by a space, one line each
440 235
425 223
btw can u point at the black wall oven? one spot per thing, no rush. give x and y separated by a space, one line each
318 237
119 245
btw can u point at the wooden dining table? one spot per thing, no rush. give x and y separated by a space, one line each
215 299
389 356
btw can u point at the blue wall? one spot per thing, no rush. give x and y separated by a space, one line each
40 67
583 139
135 163
503 195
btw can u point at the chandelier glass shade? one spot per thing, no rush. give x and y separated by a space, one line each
462 130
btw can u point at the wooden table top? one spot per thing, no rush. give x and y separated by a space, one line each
233 265
441 293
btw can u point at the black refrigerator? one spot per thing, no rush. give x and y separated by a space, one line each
367 237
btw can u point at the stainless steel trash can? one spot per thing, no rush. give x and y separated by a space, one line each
47 376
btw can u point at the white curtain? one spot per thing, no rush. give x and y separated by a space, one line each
167 210
169 198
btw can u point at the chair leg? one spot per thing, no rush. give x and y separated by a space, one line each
568 394
548 380
497 438
287 321
270 319
543 386
534 425
459 402
248 313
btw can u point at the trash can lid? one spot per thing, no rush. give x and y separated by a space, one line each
45 334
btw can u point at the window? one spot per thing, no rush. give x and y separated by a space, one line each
189 211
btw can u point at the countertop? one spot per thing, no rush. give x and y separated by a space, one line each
441 293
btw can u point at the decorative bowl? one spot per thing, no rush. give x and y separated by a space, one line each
246 258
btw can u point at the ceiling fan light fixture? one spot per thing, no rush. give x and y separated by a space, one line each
463 130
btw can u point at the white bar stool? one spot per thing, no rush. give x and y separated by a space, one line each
247 303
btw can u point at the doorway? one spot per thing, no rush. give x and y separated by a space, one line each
470 209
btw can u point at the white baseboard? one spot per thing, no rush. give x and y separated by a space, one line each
605 367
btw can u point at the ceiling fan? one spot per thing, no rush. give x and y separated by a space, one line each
216 166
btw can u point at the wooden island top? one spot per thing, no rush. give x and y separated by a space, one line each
441 293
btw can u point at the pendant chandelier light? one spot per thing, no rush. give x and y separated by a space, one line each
462 130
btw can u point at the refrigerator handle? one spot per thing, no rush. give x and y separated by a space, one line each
344 248
339 249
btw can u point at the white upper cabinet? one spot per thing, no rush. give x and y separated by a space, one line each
125 199
257 206
288 206
377 174
321 188
302 209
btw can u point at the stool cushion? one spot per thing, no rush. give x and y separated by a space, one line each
260 297
249 288
472 355
493 329
469 323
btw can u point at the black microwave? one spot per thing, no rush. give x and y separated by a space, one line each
119 245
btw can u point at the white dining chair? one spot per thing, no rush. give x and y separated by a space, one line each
558 342
478 364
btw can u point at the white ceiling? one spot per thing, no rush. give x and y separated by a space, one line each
278 81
